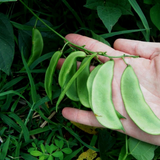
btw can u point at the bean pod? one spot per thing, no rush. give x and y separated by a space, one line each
102 104
67 71
89 87
90 83
50 72
37 46
82 84
135 104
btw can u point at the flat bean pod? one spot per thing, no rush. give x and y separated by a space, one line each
82 84
102 104
68 69
89 87
37 46
135 104
50 72
90 83
72 91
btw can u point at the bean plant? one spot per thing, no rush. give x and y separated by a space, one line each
33 92
50 151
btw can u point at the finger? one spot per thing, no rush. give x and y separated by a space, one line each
60 63
88 118
93 45
144 49
80 116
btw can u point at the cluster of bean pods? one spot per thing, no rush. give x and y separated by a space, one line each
94 90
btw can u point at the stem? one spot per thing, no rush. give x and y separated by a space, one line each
98 60
26 121
43 21
126 149
124 158
35 23
64 46
126 145
124 61
30 111
122 56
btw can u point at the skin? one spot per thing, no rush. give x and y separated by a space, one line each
147 69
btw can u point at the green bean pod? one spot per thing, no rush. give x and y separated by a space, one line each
90 82
135 104
82 84
89 87
67 71
37 46
50 72
102 104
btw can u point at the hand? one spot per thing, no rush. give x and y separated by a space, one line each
147 69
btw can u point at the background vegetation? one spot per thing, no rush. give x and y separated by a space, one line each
30 131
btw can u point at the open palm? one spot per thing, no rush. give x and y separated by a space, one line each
147 69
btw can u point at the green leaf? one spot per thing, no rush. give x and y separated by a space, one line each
14 92
7 45
11 83
5 149
57 154
109 16
10 122
24 128
148 1
50 158
92 4
123 155
31 149
34 145
51 148
7 104
59 143
155 14
27 156
138 10
36 153
124 6
99 38
141 150
42 147
41 59
2 130
14 105
43 157
41 130
33 88
67 150
73 154
18 148
24 41
107 35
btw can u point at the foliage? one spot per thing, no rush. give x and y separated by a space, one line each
29 127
